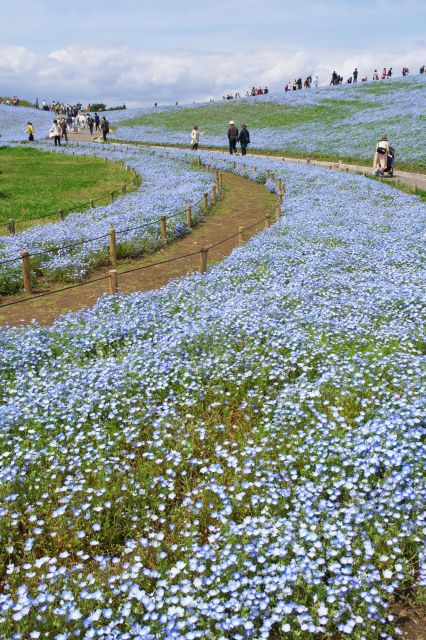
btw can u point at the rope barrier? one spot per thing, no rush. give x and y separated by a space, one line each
68 209
57 249
51 293
162 262
156 264
216 244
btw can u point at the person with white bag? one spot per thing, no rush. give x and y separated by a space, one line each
55 133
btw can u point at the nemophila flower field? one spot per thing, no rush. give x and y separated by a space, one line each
64 250
13 122
344 121
236 456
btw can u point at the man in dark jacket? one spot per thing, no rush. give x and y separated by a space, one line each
104 128
244 139
232 137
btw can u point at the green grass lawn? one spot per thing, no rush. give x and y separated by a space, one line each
262 114
34 183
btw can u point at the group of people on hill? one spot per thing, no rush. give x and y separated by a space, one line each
254 91
63 126
14 102
297 84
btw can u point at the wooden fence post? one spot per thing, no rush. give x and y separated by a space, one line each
92 203
62 214
206 203
11 226
273 176
112 196
26 271
277 210
279 185
254 169
203 259
163 221
124 189
267 220
113 247
234 164
221 179
214 194
241 236
188 217
113 281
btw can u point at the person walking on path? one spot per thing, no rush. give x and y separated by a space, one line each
90 123
30 131
104 128
195 138
380 161
55 133
244 139
355 75
96 117
232 137
64 129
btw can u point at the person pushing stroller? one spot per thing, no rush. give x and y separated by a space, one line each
383 158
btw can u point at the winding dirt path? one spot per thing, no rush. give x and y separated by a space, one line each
243 204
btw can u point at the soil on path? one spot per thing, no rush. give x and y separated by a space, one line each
243 204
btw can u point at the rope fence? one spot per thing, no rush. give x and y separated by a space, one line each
10 226
56 250
112 276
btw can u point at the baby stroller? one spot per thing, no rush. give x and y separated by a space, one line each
390 161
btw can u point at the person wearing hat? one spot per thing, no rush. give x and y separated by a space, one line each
233 135
30 131
244 139
381 156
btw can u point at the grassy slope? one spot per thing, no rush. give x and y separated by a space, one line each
333 113
34 183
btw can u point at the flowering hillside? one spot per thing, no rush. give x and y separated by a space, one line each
236 456
13 122
344 121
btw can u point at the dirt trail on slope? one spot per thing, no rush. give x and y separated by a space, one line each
410 179
243 204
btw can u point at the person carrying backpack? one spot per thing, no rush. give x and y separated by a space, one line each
380 161
244 139
232 137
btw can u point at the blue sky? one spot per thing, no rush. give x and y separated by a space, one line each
139 52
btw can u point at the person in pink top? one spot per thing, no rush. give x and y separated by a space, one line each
384 74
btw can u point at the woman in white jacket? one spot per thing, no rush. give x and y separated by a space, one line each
195 138
381 156
55 133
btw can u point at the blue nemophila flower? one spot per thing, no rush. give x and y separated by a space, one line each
245 448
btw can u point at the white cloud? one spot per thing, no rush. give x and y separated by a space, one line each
120 74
